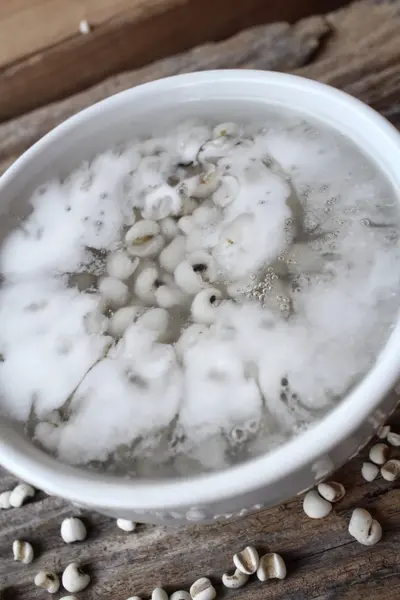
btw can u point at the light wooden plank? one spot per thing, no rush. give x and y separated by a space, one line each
27 27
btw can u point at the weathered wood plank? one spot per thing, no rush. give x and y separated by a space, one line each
152 29
355 49
364 60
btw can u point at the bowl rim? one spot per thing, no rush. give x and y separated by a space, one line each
94 489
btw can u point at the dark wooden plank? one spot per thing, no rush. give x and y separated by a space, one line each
132 40
356 49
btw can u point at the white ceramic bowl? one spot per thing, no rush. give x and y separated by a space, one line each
304 460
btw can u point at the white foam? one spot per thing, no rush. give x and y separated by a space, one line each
218 396
260 237
298 335
46 348
122 398
87 211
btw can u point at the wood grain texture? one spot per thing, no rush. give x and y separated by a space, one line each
358 50
152 29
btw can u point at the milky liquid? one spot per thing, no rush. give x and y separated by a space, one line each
295 229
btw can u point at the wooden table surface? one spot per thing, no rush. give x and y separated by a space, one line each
358 50
44 57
